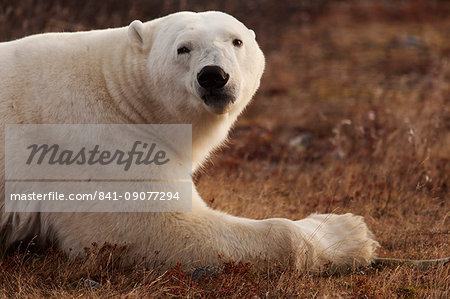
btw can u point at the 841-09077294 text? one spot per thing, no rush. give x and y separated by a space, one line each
97 195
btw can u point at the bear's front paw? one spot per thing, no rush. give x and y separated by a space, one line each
337 242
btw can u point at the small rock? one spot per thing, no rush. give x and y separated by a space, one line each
204 272
301 141
91 284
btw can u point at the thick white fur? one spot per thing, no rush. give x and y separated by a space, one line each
134 75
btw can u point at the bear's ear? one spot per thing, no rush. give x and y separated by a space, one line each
252 33
136 34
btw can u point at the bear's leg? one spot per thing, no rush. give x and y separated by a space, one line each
205 237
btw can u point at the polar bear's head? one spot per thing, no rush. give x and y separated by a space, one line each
199 61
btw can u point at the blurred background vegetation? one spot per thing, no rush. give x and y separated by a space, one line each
25 17
19 18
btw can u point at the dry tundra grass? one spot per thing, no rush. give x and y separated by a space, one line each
353 116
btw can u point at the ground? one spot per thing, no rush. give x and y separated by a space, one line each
353 115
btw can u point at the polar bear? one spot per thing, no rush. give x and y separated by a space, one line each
195 68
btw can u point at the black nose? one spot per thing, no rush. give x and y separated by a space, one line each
212 77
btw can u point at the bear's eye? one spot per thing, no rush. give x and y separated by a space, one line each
237 43
183 50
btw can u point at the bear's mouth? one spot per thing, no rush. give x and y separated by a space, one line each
218 102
